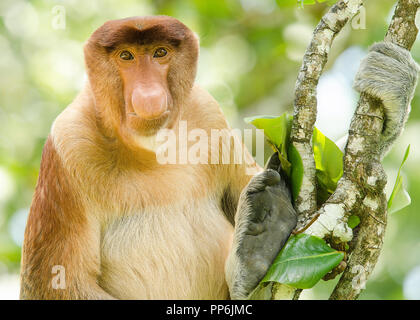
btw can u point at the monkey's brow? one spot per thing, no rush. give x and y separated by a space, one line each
131 35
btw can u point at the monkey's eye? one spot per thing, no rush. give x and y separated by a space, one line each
160 52
126 55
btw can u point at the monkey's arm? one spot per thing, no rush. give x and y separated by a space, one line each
264 220
390 74
60 256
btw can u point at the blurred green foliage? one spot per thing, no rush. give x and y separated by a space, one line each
250 55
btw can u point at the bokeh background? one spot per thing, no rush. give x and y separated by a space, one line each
251 51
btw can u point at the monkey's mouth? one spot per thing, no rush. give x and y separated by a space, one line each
147 126
162 115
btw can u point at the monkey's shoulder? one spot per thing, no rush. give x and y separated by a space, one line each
203 110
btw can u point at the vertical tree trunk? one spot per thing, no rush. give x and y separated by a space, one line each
361 189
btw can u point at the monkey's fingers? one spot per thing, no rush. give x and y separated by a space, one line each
394 51
259 182
273 162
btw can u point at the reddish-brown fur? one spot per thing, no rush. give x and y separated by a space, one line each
56 234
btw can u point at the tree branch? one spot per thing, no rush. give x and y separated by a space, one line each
305 111
305 105
360 190
362 167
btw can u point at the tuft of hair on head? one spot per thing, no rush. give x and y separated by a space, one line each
141 31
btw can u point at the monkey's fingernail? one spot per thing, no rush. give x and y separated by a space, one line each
272 177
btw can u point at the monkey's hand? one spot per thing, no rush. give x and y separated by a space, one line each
390 74
263 223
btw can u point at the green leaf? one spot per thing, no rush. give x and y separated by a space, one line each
353 221
328 162
277 131
287 3
330 2
296 174
399 198
303 261
328 157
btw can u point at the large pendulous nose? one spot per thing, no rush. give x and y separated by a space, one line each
149 102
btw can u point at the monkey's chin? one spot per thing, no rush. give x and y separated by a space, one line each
147 127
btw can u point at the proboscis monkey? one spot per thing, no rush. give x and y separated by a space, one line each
117 221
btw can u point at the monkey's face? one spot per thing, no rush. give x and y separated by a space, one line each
148 102
141 70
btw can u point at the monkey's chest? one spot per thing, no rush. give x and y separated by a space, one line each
167 253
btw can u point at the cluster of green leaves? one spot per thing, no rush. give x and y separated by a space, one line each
328 157
305 259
